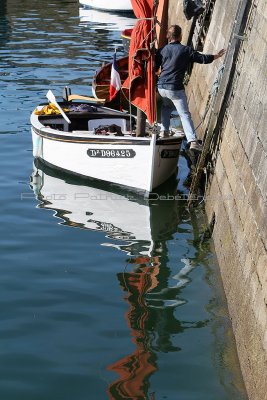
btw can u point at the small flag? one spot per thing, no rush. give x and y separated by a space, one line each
115 80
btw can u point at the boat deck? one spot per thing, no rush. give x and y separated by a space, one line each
98 121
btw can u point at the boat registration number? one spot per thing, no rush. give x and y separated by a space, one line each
114 153
169 153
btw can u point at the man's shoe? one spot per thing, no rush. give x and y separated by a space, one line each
195 146
164 134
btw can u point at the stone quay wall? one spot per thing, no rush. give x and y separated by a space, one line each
236 189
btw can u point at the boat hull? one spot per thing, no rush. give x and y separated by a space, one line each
112 21
126 39
117 5
121 158
137 164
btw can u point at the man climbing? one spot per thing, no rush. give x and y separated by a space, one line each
173 60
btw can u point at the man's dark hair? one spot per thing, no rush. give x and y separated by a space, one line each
174 32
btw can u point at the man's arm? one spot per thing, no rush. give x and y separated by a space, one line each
201 58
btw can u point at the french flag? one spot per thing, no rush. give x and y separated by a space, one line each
115 80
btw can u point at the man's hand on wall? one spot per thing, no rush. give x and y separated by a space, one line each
219 54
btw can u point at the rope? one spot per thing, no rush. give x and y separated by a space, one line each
154 19
212 93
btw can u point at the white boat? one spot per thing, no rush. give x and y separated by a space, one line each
115 5
118 152
139 163
104 20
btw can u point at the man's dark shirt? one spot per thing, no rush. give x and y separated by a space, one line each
173 60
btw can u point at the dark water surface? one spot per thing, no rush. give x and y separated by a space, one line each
103 296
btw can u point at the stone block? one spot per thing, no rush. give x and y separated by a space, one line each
203 88
219 169
262 273
260 50
260 113
262 9
228 18
232 172
252 106
243 252
244 82
232 264
265 343
244 131
251 98
238 111
262 187
230 134
258 249
244 211
256 156
211 202
233 217
261 126
260 311
248 267
250 230
216 25
240 160
262 167
257 201
261 25
249 141
247 176
254 286
198 94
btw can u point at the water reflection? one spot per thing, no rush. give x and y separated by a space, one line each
134 224
151 322
4 26
135 369
48 45
141 229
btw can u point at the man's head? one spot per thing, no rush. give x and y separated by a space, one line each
174 33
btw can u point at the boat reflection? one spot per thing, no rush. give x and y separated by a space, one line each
151 320
135 369
140 228
133 223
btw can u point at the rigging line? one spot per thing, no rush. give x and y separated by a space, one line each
151 31
213 91
206 185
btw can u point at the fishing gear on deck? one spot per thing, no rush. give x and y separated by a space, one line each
49 110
